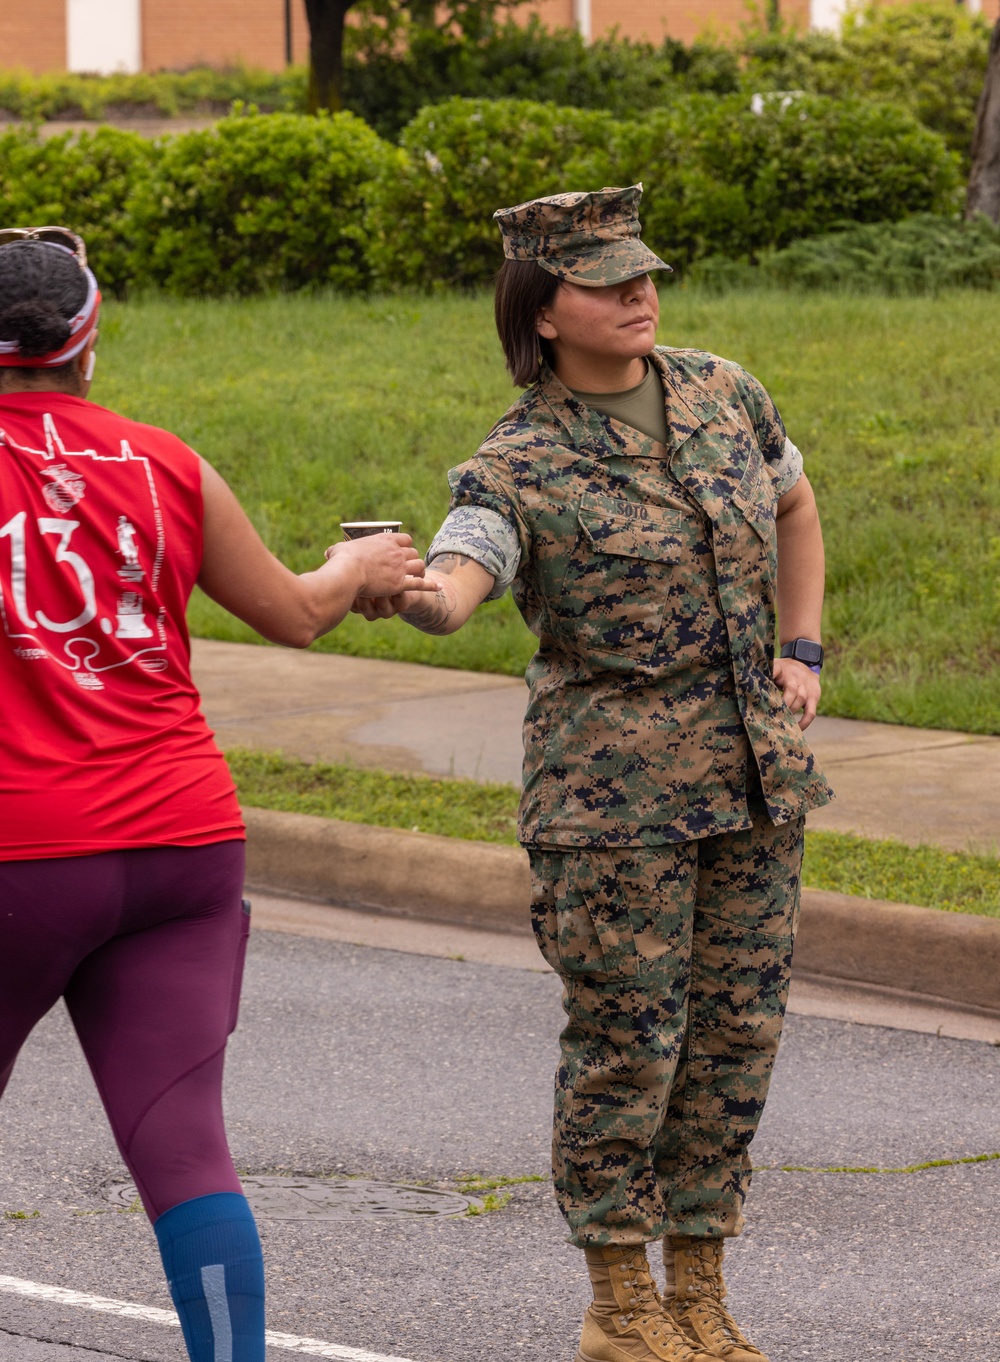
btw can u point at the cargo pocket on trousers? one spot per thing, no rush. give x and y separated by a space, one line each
238 963
583 916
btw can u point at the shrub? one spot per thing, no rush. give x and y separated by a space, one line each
922 254
929 58
719 177
162 94
82 183
389 87
282 201
430 218
387 84
735 176
258 203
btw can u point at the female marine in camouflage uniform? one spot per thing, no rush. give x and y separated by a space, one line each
648 511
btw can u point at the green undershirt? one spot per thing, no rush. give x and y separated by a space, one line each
641 407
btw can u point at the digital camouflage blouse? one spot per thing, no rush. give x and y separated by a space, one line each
647 573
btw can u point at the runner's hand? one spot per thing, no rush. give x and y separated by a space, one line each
388 561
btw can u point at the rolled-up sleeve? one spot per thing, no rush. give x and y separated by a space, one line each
787 470
485 536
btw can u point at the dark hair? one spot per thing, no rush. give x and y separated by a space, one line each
40 289
522 287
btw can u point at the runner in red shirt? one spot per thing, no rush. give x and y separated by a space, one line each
121 841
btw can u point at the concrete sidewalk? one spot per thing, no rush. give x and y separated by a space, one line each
913 785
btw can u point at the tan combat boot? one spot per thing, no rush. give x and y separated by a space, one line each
626 1322
698 1306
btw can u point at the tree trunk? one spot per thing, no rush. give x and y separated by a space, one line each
326 53
984 180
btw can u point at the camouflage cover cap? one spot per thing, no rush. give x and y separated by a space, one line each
590 239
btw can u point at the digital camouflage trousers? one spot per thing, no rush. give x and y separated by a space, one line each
675 962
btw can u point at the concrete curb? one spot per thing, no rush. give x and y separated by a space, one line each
409 874
950 956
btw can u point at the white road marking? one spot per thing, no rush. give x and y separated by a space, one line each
59 1295
17 1286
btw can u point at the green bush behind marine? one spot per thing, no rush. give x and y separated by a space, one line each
263 203
84 183
259 203
719 177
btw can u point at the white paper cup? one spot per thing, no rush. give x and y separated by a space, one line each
360 529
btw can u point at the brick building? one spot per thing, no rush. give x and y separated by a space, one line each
152 35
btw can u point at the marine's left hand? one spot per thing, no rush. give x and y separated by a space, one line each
800 688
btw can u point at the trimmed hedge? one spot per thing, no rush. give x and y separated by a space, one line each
259 203
85 183
160 94
282 201
432 222
719 177
736 176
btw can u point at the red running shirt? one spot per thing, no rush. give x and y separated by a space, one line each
104 743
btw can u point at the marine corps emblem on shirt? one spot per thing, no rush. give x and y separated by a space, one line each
65 489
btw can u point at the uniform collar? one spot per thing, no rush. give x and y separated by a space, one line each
689 405
587 430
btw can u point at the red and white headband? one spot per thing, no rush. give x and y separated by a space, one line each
82 327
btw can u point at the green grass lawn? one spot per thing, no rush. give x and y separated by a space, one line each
488 813
320 410
449 808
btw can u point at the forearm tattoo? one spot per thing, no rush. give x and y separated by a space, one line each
434 613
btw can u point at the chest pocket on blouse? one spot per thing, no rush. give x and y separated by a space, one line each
613 591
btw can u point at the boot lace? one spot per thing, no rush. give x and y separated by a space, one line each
634 1275
646 1308
719 1328
701 1297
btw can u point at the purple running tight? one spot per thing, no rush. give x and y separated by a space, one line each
147 948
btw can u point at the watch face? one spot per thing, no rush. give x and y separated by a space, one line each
808 652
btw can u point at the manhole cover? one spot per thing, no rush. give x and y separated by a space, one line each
330 1198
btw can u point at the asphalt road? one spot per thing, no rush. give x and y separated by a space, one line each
398 1067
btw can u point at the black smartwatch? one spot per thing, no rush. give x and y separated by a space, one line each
804 650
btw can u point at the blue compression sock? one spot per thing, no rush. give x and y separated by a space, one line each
211 1255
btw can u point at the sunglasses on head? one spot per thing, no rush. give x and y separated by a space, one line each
51 236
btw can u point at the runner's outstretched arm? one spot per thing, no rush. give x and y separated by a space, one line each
242 574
